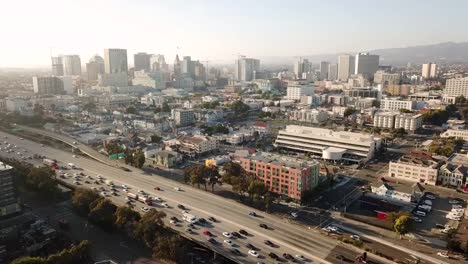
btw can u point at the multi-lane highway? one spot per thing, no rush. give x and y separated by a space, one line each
231 216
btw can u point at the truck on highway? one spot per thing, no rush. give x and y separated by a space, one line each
50 163
189 218
132 196
145 200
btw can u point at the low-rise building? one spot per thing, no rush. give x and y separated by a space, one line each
298 89
414 169
459 134
397 192
314 116
163 158
183 117
396 104
197 144
392 120
453 174
329 144
286 176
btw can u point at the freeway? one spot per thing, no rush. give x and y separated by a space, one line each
231 216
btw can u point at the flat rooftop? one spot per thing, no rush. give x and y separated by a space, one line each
280 160
330 134
4 167
458 159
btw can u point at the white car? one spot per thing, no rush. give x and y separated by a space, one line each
457 206
227 234
157 199
355 237
173 222
104 194
453 202
442 254
125 186
165 205
294 214
254 253
177 189
332 228
145 209
229 242
125 190
141 192
420 213
300 257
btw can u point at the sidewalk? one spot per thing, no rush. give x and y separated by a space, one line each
388 238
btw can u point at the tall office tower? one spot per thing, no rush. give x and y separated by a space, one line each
200 72
9 205
345 66
115 61
429 70
332 72
57 66
300 67
177 67
366 64
324 70
188 67
71 65
142 61
94 67
244 68
158 63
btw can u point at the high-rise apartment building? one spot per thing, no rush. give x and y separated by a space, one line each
456 87
115 61
429 70
366 64
384 78
8 200
244 68
183 117
141 61
300 67
346 65
324 70
71 65
187 67
95 67
57 66
48 85
332 72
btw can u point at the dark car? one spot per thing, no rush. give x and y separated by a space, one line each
288 256
273 256
212 219
235 234
212 240
269 243
264 226
250 246
236 251
243 232
181 206
174 219
202 220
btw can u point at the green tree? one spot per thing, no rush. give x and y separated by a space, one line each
126 218
212 173
76 254
29 260
43 181
256 190
82 198
131 110
231 169
169 247
460 100
402 224
399 132
165 107
349 111
155 138
150 227
102 213
240 109
138 159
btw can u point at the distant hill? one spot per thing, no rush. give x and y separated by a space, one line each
442 52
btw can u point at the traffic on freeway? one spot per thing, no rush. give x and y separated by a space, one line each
226 226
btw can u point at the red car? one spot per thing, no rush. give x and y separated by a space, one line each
207 233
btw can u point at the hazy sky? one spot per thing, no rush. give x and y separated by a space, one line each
221 29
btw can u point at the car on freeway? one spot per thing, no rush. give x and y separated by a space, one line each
157 188
87 182
300 257
430 196
174 219
269 243
453 202
243 232
254 253
288 256
294 214
188 230
235 234
355 237
229 242
273 256
184 212
177 189
174 222
442 254
202 221
236 252
141 192
212 219
227 234
250 246
165 205
76 182
180 206
416 219
252 214
124 186
264 226
207 233
145 209
212 240
191 226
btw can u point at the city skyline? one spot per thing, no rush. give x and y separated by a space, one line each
218 30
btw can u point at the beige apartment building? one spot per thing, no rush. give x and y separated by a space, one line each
414 169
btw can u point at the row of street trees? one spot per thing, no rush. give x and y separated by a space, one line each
76 254
149 228
201 175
